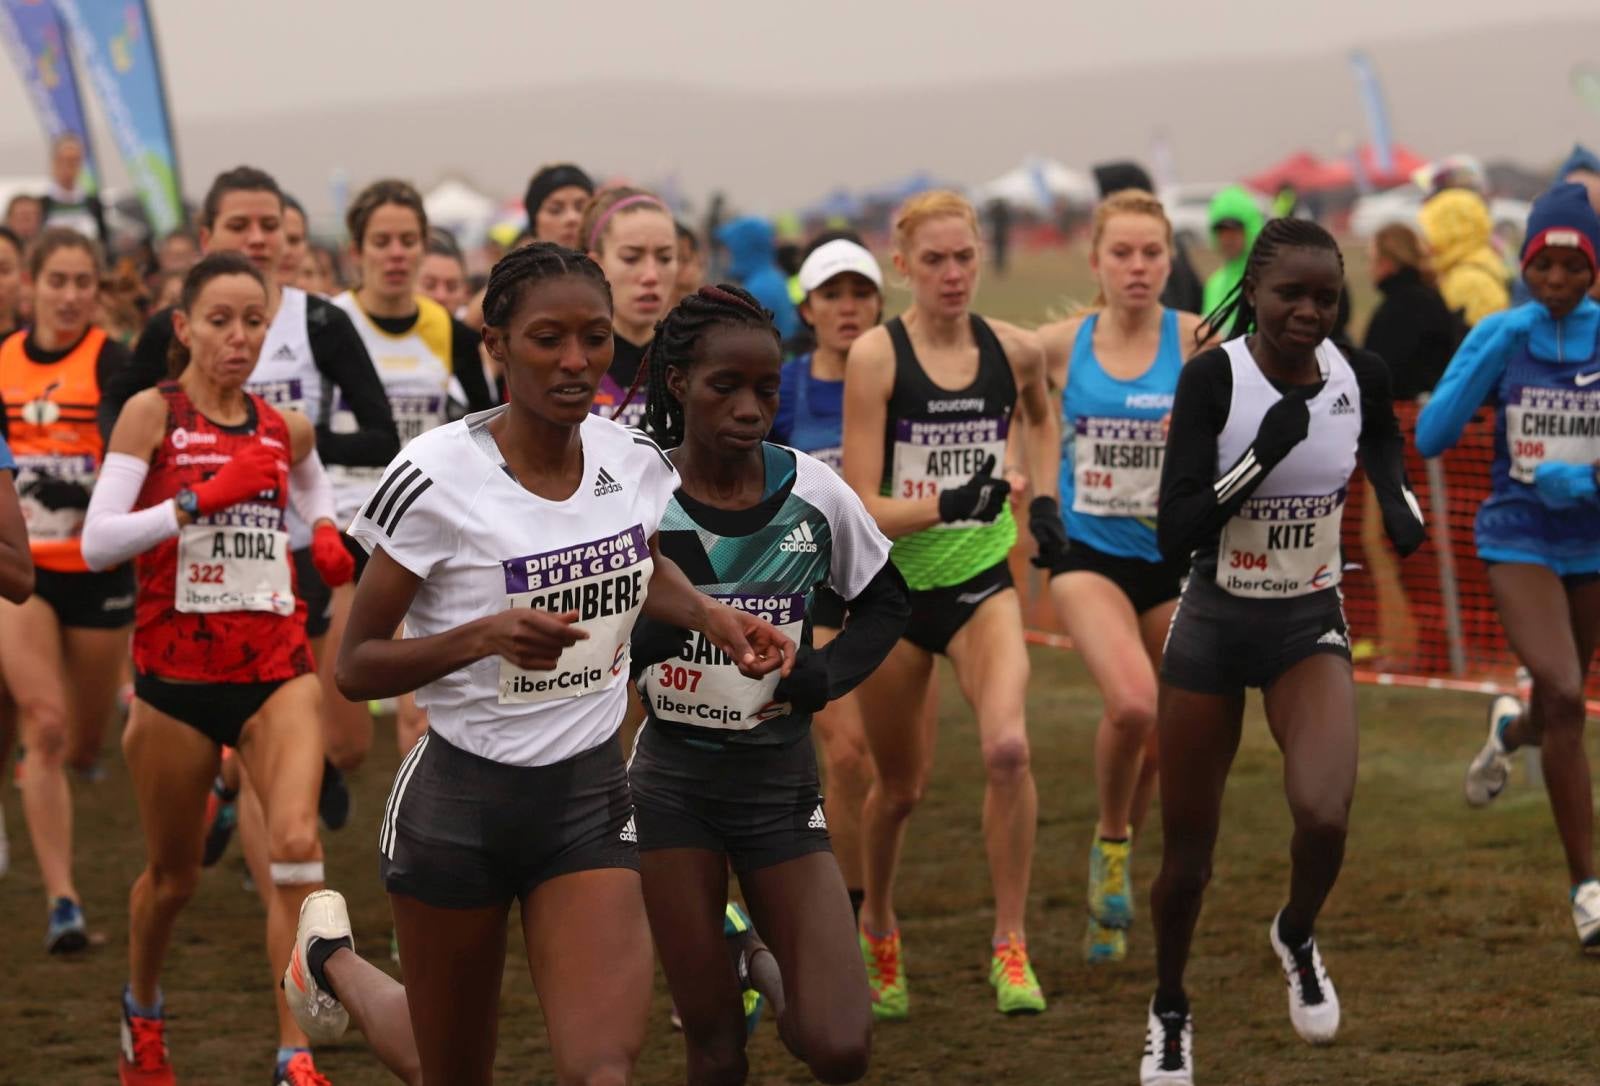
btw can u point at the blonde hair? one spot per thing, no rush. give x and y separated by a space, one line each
927 206
1123 202
1400 244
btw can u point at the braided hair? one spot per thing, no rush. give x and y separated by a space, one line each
678 336
532 264
1235 316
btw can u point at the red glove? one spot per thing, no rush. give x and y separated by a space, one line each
253 469
333 560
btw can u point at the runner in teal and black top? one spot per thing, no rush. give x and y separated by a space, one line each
723 769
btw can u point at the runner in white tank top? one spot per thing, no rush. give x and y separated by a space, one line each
1264 437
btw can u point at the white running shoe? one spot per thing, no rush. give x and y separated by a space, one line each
1491 769
1313 1003
1586 913
1168 1050
318 1013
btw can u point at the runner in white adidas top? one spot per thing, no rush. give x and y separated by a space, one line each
1264 437
518 547
428 362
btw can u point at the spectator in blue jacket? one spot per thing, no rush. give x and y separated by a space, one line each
752 262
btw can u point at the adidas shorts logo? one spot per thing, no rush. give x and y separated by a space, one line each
799 540
604 484
629 834
1334 637
818 820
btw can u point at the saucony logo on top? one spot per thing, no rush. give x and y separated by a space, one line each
1343 406
941 407
604 484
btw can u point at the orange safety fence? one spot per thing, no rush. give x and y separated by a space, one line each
1428 621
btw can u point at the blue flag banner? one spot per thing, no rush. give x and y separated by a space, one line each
117 44
37 43
1377 112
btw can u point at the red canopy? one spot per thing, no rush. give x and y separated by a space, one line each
1307 173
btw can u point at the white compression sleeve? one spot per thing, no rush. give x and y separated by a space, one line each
112 531
311 491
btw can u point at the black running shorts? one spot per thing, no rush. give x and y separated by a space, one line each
463 832
1220 644
758 805
88 601
217 711
937 614
1147 585
827 608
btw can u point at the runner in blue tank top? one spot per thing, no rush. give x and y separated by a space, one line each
1539 529
844 298
1116 368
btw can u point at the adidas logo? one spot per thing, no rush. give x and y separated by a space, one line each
818 820
284 353
799 540
1343 406
1333 637
629 834
604 484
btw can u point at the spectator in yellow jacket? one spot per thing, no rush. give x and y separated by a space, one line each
1472 277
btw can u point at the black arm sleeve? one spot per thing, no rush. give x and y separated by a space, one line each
876 619
1383 449
343 360
144 370
467 366
1189 511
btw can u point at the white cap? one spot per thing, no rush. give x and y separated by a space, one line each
836 258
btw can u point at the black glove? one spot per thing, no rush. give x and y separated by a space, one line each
1284 425
653 643
1044 521
979 498
806 686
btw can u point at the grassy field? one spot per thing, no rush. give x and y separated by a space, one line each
1448 935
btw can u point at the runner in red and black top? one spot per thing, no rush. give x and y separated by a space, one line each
197 484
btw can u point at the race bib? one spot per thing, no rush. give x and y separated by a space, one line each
1276 548
1552 424
53 492
605 581
1117 466
285 395
414 415
704 687
229 568
933 456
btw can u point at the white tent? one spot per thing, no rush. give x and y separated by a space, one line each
1036 184
461 209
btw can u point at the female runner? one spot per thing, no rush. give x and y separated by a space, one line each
1539 529
843 299
632 236
518 546
723 769
1264 436
1116 369
929 400
61 650
199 475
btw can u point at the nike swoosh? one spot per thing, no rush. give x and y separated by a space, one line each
978 597
1583 379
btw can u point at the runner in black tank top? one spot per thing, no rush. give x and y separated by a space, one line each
929 401
1264 437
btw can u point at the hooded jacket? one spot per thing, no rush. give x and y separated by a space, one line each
753 263
1232 202
1472 277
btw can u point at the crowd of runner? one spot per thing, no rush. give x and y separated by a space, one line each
592 496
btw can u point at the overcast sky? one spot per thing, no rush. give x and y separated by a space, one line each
224 57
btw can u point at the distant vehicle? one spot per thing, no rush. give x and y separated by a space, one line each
1188 205
1401 205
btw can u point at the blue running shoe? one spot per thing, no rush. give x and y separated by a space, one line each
67 933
